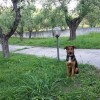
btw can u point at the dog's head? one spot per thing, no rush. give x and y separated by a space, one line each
70 50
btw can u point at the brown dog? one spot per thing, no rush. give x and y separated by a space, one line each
71 65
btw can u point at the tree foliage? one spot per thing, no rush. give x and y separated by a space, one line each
93 17
6 20
53 13
5 37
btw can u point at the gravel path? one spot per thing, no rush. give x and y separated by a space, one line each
85 56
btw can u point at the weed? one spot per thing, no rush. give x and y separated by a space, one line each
24 77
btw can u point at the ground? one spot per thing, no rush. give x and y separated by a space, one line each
85 56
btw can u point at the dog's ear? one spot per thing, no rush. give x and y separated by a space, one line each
74 47
66 47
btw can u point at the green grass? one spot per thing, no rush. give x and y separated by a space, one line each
24 77
90 41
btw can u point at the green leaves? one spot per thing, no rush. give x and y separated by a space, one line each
27 16
85 6
6 20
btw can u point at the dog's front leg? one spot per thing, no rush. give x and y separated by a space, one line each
68 69
73 70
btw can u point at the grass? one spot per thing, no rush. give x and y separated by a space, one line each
90 41
24 77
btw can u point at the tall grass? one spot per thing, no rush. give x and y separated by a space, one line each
24 77
88 41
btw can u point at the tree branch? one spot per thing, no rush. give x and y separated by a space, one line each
0 32
17 19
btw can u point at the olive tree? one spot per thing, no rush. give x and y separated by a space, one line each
82 9
5 37
93 17
28 15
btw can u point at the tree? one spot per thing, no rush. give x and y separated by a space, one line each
20 29
93 17
38 21
26 21
56 18
51 17
28 16
82 9
12 29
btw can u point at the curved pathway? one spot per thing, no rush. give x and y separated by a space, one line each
85 56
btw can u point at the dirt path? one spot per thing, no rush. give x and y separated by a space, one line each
85 56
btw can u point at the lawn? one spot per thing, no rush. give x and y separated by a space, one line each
24 77
90 41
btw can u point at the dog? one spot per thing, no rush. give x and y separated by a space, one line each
71 62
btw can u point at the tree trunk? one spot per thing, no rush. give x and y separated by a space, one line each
30 34
21 36
21 33
4 38
53 33
73 24
5 46
72 33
